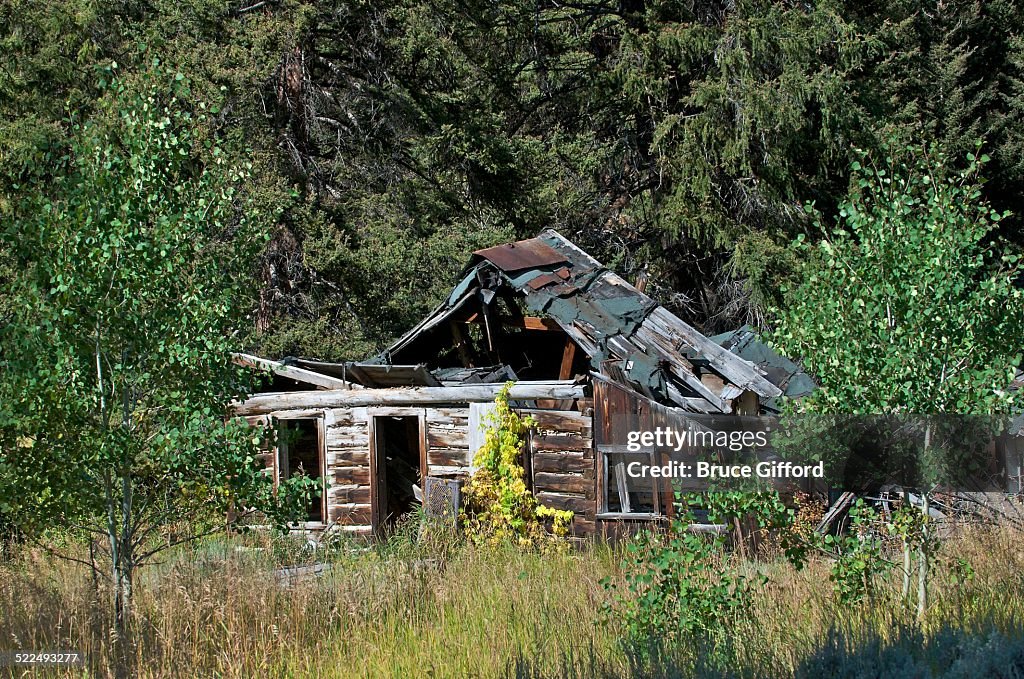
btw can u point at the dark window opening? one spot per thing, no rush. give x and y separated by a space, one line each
397 449
626 492
298 452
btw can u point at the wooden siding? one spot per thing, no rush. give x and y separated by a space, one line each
560 464
347 439
447 441
617 411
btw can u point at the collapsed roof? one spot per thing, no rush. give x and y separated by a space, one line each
481 331
782 372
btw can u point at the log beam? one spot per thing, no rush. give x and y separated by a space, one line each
468 393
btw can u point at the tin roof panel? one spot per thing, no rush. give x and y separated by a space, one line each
524 254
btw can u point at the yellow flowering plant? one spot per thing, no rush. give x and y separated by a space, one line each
498 506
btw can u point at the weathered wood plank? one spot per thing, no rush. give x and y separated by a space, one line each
345 417
576 484
740 372
348 495
448 457
560 442
343 430
347 429
562 462
294 373
394 411
341 457
714 383
573 503
584 338
568 355
561 421
300 414
338 417
532 323
354 531
467 393
458 417
346 476
351 514
446 470
448 438
348 440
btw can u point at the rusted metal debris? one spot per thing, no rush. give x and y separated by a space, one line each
524 254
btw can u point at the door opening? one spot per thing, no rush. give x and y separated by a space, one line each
298 451
397 467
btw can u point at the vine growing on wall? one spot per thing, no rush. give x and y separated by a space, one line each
499 508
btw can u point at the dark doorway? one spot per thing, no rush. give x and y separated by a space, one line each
396 466
298 451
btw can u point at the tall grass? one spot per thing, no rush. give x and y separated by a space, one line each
421 607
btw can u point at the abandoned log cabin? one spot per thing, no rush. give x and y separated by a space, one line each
592 357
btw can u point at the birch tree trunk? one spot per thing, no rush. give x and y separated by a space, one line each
922 545
922 562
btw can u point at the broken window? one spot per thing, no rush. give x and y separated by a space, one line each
627 489
298 452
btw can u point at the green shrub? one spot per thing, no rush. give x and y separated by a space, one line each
683 587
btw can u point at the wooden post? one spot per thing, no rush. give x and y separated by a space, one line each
568 355
374 478
459 339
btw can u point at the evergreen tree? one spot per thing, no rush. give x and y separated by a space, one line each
395 139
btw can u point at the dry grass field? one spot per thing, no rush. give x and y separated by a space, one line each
407 609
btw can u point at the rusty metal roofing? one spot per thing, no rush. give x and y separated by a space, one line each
545 279
524 254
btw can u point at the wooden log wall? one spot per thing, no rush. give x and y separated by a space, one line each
260 404
561 465
347 441
560 458
447 442
348 449
346 463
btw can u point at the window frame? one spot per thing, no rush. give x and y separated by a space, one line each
603 451
281 421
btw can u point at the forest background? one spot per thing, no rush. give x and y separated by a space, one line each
390 140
